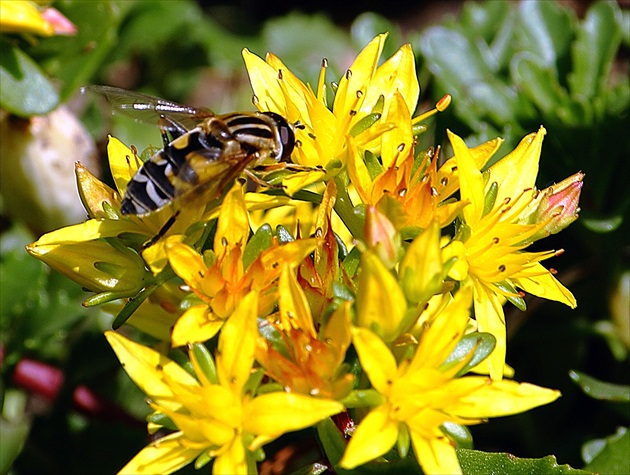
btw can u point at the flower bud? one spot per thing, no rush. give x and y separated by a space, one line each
381 236
96 265
556 207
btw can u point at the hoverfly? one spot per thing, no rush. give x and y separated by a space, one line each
202 152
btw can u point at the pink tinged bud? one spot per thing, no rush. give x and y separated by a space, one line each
562 202
60 24
556 206
381 236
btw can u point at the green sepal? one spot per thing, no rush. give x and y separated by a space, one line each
284 235
205 361
161 420
472 348
458 433
260 241
365 123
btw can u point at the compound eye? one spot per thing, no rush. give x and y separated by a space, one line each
288 141
286 134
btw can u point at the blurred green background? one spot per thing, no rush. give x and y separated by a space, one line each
509 66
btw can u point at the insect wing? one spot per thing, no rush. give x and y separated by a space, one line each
147 108
205 176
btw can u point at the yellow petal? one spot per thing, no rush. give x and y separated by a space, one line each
358 171
545 285
233 224
233 460
88 231
295 311
123 163
17 16
299 180
459 270
399 141
237 344
375 435
490 319
188 264
148 368
356 79
274 414
397 75
264 81
376 359
93 193
436 455
470 180
420 270
94 264
196 325
444 332
524 158
381 304
449 173
497 398
296 94
166 455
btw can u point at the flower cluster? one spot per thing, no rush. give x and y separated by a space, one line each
378 293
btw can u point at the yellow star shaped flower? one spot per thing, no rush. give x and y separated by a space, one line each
492 237
418 395
364 95
215 413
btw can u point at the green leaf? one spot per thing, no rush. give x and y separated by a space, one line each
75 59
611 454
313 469
25 89
599 389
334 446
14 427
482 18
598 39
539 81
546 30
314 34
474 462
603 225
367 25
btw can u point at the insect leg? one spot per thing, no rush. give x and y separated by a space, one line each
170 129
163 230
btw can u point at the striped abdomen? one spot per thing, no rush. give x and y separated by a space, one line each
204 160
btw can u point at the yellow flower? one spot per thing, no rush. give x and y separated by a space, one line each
306 363
224 281
360 110
491 239
216 414
18 16
420 394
